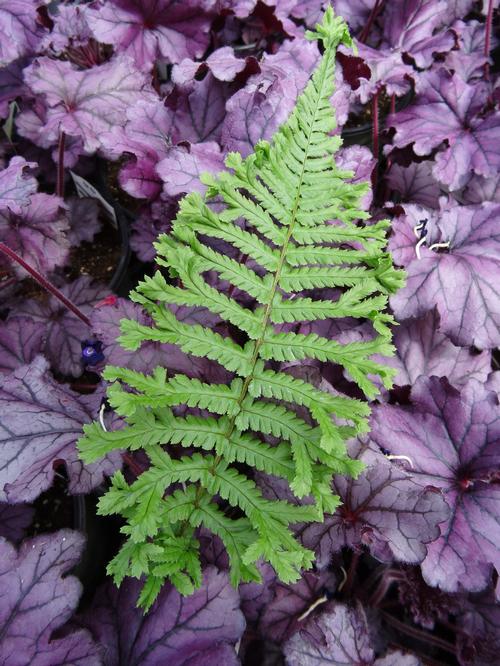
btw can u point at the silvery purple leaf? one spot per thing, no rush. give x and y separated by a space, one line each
38 234
453 441
481 189
460 280
40 423
83 215
469 60
355 12
17 186
341 637
421 349
78 101
152 221
199 109
311 11
286 612
446 109
256 111
15 520
415 183
181 169
256 596
20 341
223 64
11 84
70 29
458 9
149 30
64 331
198 630
409 27
360 160
387 71
479 637
38 597
384 509
20 31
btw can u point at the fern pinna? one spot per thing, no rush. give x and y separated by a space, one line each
289 209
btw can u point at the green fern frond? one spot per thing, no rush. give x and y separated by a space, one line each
296 226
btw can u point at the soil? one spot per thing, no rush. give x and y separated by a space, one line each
55 508
99 258
364 116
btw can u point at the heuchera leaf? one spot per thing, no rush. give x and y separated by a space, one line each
223 64
11 84
384 509
16 185
14 520
282 616
20 32
409 27
340 636
469 59
20 341
83 215
460 281
198 630
256 111
39 424
423 350
452 439
181 169
151 29
152 221
446 109
64 331
415 183
38 233
70 29
86 103
38 598
479 638
355 12
388 71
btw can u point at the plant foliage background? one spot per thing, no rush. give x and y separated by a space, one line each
406 568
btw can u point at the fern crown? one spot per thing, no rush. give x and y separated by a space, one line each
289 211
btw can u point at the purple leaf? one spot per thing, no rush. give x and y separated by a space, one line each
20 341
461 281
148 30
86 103
197 630
40 424
415 183
479 638
16 185
223 64
11 84
38 598
458 9
64 331
38 234
360 160
355 12
70 29
199 109
408 27
481 189
15 520
423 350
452 439
446 109
284 614
256 596
155 219
341 637
257 110
83 214
181 170
469 60
20 32
311 11
384 509
387 71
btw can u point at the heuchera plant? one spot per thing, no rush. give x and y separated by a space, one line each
138 99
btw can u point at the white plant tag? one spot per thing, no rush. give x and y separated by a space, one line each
85 189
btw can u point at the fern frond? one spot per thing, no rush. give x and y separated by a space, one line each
298 227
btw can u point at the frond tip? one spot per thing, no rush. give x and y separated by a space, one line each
286 228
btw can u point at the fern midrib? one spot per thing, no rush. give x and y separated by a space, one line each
268 309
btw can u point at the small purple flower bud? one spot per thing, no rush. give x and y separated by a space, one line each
92 352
